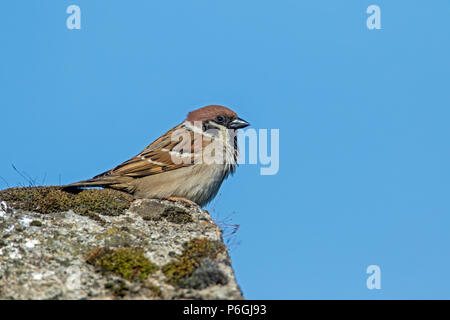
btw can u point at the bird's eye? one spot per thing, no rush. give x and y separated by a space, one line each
220 119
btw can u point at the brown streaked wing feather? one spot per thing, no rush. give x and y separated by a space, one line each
161 161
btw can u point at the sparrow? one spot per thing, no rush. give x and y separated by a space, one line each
189 162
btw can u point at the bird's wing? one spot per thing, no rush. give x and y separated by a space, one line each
164 154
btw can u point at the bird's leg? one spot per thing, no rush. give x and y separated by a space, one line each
181 199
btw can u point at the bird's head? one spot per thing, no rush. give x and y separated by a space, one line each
217 117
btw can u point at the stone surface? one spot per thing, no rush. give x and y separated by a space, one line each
155 249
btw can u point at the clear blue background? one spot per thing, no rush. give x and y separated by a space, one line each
363 116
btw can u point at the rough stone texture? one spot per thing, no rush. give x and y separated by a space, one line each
156 249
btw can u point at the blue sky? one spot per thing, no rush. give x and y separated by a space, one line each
363 115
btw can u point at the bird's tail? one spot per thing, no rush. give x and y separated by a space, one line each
103 181
95 182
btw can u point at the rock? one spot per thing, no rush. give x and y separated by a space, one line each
103 244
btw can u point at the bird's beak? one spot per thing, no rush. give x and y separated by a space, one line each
238 123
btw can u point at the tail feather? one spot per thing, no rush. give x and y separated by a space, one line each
113 182
91 183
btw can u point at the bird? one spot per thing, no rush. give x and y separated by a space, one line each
187 163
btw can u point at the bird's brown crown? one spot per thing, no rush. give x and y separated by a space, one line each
210 113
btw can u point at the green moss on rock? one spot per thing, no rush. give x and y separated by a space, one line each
118 288
156 291
36 223
177 215
207 274
195 251
157 211
89 202
129 263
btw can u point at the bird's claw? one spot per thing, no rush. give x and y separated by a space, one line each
181 199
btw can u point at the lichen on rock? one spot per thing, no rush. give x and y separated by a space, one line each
195 251
90 202
103 244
